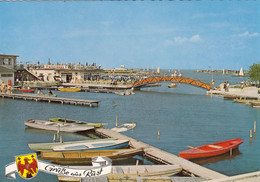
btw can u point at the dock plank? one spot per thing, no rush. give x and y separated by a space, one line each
60 100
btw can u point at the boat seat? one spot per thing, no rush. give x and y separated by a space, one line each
96 179
119 170
215 146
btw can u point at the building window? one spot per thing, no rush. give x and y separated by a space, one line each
7 75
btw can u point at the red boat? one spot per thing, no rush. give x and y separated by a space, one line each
210 150
27 90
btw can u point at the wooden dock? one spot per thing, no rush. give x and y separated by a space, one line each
165 157
59 100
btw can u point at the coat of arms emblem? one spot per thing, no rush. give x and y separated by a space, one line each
27 165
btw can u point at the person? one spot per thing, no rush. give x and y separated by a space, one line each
227 86
39 92
3 87
9 89
242 84
50 92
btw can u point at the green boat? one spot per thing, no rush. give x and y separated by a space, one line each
48 146
65 120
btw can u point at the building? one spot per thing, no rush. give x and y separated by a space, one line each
66 73
7 66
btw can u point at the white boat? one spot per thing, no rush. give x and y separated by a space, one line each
95 145
48 125
240 74
130 172
124 127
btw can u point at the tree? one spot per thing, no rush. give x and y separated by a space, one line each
254 72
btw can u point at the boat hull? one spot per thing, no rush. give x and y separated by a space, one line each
27 90
211 150
85 157
47 147
47 125
95 145
69 89
130 172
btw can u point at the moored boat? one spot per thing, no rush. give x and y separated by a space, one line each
130 172
48 125
27 90
84 157
172 85
210 150
95 145
48 146
65 120
124 127
69 89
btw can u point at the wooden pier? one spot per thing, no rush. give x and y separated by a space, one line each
59 100
165 157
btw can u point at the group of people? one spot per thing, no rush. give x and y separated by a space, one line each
5 89
226 86
175 74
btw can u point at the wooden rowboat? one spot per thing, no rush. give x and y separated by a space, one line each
84 157
95 145
210 150
47 147
48 125
122 173
65 120
69 89
27 90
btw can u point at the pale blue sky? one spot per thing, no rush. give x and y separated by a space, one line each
171 35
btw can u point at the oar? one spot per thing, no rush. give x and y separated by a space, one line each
194 148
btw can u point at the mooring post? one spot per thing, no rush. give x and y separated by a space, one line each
54 138
230 152
254 126
116 121
251 135
58 132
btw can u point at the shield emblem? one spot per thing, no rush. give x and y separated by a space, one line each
27 165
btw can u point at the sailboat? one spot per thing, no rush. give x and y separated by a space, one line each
224 73
240 74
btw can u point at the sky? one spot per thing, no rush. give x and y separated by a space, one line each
137 34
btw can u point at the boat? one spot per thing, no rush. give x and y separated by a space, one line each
130 172
95 145
254 103
65 120
84 157
27 90
173 85
69 89
124 127
48 125
240 74
211 150
48 146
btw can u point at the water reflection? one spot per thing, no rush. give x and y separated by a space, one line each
222 157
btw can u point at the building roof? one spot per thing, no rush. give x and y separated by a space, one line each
5 69
6 55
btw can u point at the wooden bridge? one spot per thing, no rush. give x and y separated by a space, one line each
187 80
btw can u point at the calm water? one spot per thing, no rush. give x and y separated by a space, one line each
184 116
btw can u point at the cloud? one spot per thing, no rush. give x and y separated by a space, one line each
183 40
195 38
247 34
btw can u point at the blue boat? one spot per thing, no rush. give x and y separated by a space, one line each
95 145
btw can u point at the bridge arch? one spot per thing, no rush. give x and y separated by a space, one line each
187 80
